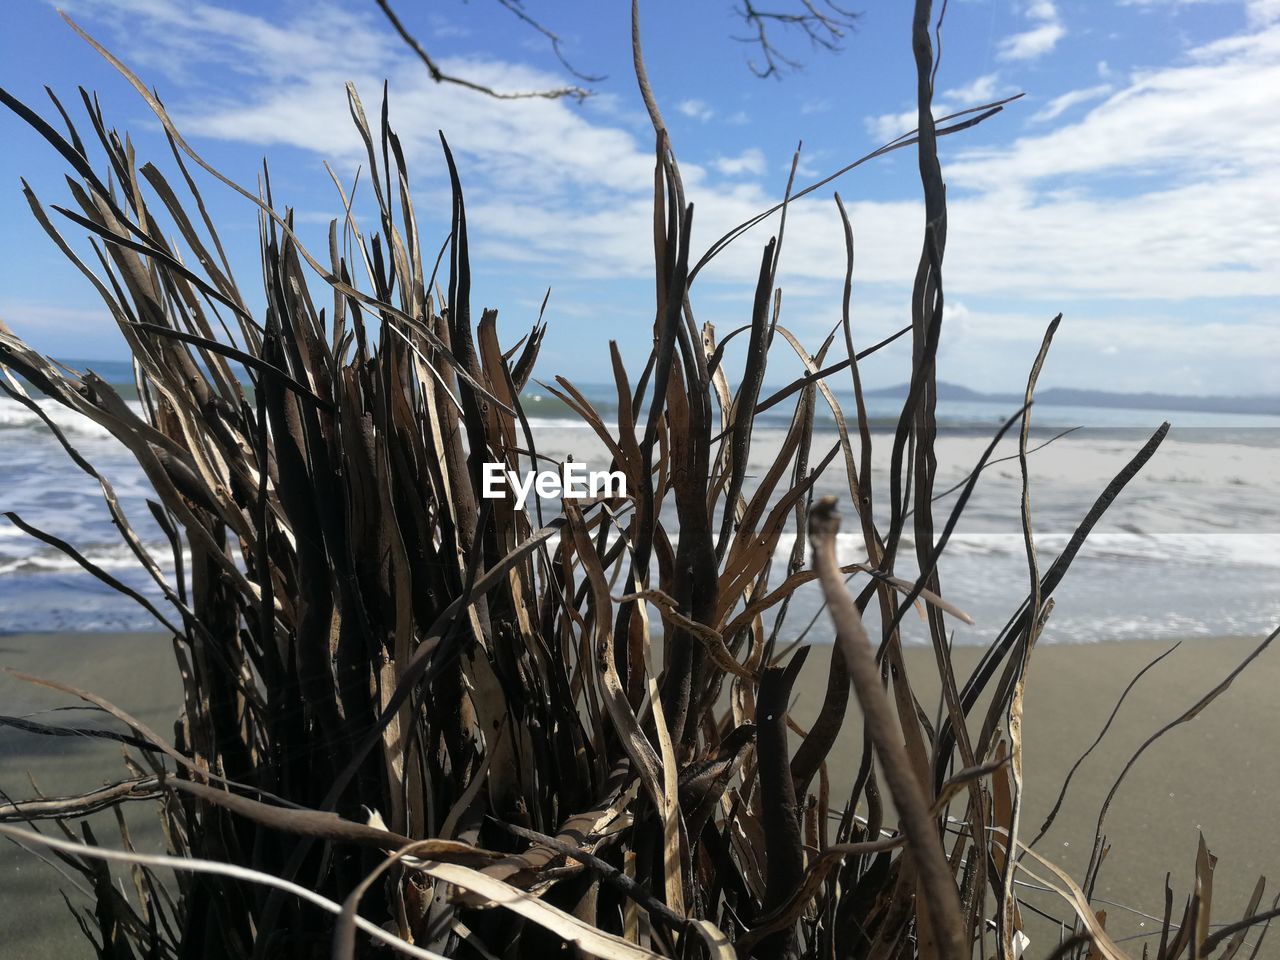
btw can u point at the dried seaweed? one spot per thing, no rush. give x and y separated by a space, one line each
442 720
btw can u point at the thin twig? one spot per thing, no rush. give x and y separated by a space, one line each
439 76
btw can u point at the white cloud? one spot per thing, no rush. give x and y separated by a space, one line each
296 95
169 36
1259 13
1039 39
958 319
1175 4
808 165
63 329
1263 12
983 89
1061 104
1208 118
58 317
696 109
444 29
1032 43
568 190
749 161
889 126
1132 349
528 143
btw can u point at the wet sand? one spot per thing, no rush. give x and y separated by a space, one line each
1217 774
135 672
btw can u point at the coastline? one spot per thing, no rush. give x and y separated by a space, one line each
1210 775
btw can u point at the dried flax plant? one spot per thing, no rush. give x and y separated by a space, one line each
442 723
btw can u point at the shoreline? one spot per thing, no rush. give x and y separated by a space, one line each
1208 776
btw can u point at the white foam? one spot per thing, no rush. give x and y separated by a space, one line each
46 560
16 416
1245 549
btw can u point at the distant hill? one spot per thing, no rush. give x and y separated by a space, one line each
1069 397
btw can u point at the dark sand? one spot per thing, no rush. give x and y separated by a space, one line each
1217 774
137 673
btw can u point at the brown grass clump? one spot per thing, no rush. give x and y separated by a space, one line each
422 718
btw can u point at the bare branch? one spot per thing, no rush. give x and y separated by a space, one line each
825 23
439 76
517 8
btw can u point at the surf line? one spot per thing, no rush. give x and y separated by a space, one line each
573 481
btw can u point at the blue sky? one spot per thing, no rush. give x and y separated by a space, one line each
1134 188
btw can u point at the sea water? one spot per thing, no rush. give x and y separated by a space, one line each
1191 548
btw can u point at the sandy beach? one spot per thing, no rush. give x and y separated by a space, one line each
1212 775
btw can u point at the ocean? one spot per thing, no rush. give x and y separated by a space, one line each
1190 549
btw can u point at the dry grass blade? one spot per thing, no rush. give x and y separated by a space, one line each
328 826
920 828
1008 901
1185 717
50 808
572 930
1251 918
1235 931
1071 892
361 633
213 867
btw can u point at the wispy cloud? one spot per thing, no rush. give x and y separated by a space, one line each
749 161
1038 220
982 89
173 37
696 109
1061 104
1040 38
1263 12
1207 119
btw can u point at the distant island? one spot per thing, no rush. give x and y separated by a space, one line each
1071 397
